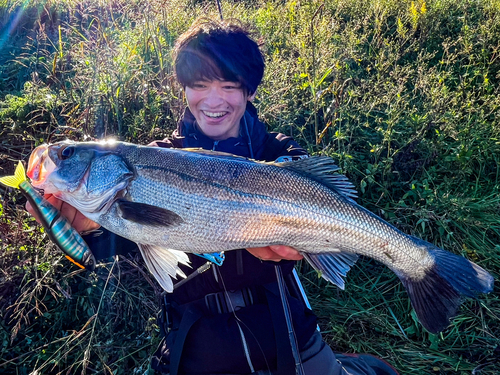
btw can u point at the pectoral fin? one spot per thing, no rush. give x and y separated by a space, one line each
333 266
146 214
164 264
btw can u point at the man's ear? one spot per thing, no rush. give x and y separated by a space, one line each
252 97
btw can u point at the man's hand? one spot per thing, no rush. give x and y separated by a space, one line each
275 253
75 217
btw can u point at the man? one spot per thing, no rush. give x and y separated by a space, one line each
231 319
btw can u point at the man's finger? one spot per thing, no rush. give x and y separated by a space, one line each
69 212
264 253
275 253
32 212
75 217
83 224
286 252
57 203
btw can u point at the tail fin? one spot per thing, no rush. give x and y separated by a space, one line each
15 181
437 297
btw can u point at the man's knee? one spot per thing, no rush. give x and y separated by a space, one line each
318 358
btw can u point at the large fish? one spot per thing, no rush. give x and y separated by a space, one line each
172 201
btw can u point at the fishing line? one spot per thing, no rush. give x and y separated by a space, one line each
240 321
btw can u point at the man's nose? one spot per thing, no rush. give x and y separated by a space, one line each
215 97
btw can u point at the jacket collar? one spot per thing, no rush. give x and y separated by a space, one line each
252 134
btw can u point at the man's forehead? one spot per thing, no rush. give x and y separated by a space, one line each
222 81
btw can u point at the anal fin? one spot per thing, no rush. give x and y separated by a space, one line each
332 266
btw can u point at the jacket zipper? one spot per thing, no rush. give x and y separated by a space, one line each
215 144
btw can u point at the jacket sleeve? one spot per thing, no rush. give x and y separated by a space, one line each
105 244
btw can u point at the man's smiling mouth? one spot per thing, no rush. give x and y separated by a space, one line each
214 114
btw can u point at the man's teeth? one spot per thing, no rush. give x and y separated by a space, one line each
214 114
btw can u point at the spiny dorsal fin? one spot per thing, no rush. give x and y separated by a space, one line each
324 170
319 168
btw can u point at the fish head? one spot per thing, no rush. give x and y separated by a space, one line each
57 167
87 175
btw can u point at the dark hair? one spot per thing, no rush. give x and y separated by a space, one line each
218 50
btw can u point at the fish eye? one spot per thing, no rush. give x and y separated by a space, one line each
66 152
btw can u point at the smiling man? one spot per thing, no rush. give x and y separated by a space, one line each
231 320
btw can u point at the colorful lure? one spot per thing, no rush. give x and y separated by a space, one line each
57 226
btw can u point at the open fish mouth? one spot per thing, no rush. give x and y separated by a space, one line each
40 165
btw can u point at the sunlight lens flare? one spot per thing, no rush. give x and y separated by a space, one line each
12 23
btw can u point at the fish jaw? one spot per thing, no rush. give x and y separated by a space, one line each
45 168
39 167
35 162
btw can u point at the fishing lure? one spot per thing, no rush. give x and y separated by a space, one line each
57 226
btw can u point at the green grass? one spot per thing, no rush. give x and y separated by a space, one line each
404 95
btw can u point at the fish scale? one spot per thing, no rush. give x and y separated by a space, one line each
248 179
172 201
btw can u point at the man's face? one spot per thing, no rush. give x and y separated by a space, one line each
218 107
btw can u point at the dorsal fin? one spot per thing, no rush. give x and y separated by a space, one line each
319 168
324 170
218 154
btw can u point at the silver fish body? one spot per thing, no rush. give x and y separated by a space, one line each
172 201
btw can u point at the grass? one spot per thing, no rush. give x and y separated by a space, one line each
404 94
